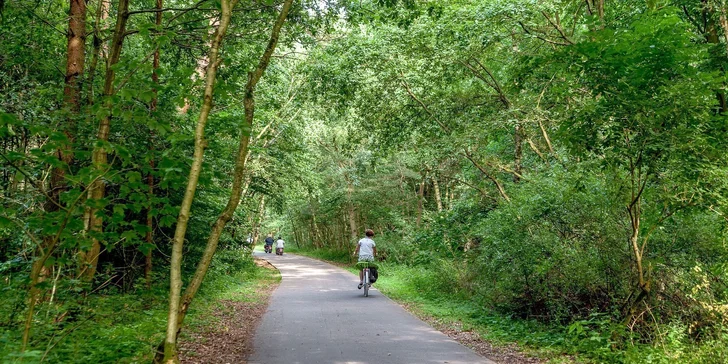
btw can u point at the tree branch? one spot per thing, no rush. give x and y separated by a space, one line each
414 97
557 27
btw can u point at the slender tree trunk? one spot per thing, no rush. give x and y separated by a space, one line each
600 11
238 174
353 233
170 344
97 190
150 176
517 152
314 232
420 200
296 234
724 23
451 197
102 12
150 231
634 242
438 197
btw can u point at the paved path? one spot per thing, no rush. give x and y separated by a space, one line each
318 316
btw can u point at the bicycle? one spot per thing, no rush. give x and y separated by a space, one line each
366 274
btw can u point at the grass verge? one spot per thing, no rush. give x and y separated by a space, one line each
114 327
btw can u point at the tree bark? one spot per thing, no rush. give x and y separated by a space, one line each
517 152
254 77
314 232
102 12
420 200
150 176
75 56
170 343
438 197
495 181
97 190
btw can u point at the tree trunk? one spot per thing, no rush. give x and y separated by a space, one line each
420 200
517 152
495 181
314 232
452 196
97 190
353 232
296 235
724 23
600 11
438 197
102 12
170 349
170 343
75 55
150 176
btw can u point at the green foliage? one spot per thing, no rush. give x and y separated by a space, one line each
551 134
504 152
112 326
556 251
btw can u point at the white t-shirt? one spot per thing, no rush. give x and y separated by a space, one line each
366 248
280 243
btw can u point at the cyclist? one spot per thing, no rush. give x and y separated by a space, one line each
269 243
366 249
280 243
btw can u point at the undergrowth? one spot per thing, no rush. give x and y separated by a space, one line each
112 327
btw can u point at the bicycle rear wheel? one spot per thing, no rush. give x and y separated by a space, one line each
366 283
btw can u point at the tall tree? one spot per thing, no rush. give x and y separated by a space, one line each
75 56
99 159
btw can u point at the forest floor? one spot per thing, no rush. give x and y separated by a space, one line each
227 337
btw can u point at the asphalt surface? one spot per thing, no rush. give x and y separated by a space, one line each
317 315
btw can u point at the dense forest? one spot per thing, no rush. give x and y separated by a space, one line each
557 162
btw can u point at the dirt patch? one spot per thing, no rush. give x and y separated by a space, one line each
264 263
230 340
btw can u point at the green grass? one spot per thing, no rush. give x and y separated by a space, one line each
111 327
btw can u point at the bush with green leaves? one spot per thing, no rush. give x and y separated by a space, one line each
556 251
